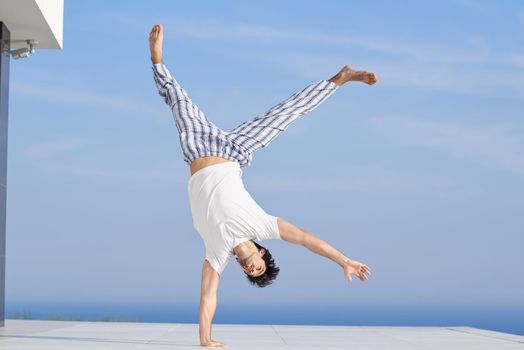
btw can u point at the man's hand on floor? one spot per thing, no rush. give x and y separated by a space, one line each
213 343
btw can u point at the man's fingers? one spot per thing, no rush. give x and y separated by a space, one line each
362 275
360 270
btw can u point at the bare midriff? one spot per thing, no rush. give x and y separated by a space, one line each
202 162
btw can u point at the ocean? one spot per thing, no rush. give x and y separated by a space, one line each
508 319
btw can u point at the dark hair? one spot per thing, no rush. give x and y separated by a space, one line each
271 270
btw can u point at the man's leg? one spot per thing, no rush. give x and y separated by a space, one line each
186 113
190 120
260 131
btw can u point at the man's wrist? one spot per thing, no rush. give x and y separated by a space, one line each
205 335
344 261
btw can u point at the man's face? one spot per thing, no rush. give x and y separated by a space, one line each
255 266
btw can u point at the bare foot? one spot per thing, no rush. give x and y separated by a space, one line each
156 38
349 74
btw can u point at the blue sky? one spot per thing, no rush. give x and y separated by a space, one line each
421 176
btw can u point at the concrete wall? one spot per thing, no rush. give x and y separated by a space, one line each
53 12
40 20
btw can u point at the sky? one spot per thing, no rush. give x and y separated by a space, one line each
421 176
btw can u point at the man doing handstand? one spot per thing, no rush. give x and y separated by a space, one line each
227 218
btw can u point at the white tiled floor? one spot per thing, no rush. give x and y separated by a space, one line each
60 335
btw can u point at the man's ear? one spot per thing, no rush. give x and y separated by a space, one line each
262 251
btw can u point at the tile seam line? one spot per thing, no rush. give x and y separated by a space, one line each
82 324
172 328
55 329
282 338
485 335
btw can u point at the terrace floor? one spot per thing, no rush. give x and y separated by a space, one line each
66 335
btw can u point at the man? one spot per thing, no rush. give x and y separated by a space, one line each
225 215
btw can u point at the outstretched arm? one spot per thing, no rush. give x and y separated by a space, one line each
208 304
293 234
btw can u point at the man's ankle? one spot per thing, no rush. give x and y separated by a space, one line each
337 79
156 60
